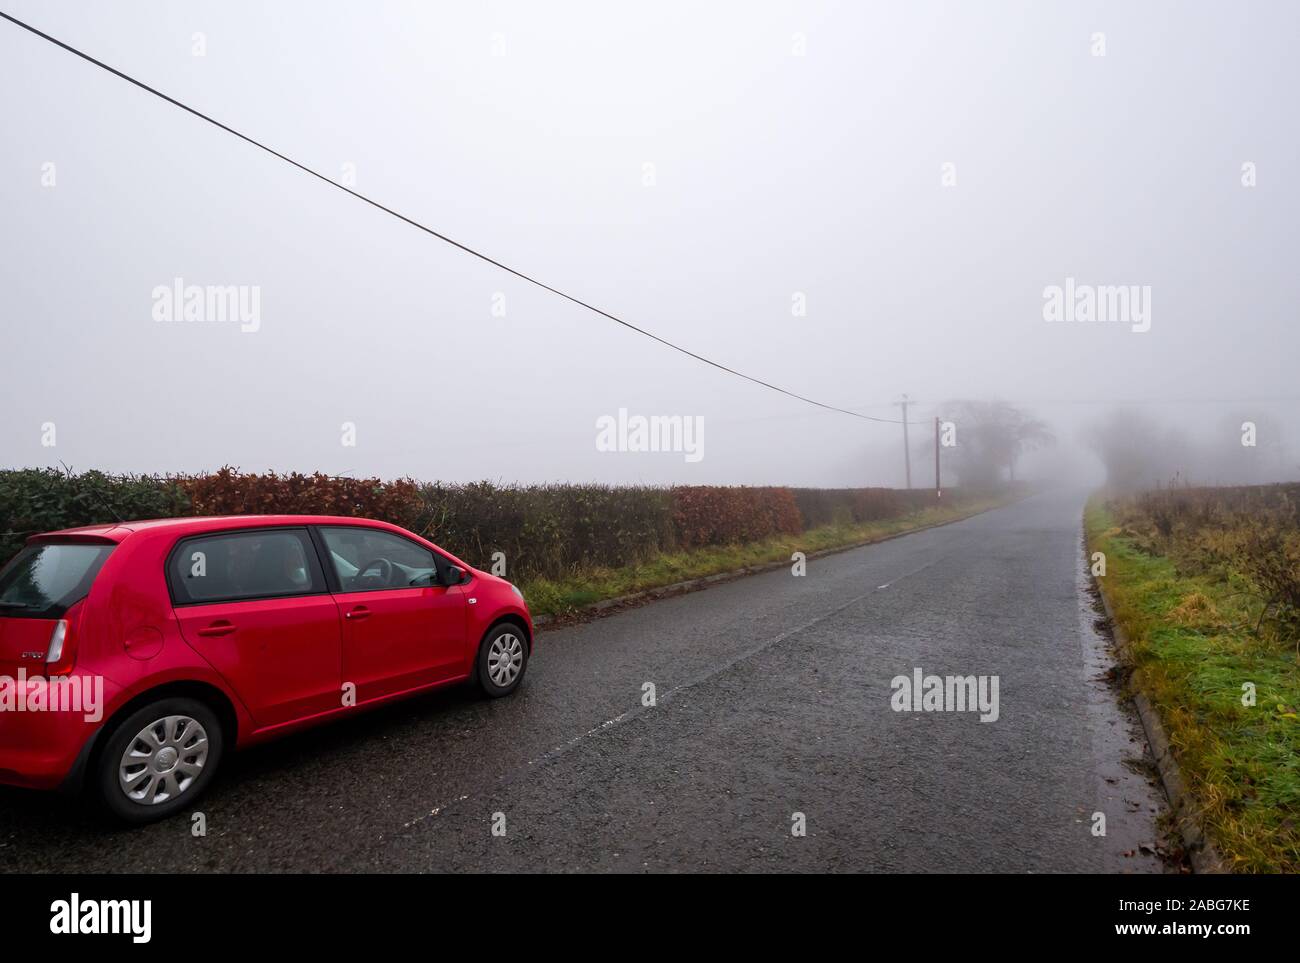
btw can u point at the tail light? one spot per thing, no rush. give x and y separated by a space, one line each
61 653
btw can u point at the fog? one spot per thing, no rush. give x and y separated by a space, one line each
850 201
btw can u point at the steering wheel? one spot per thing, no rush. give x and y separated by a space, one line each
385 570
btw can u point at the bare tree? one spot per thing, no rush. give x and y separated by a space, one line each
991 437
1139 452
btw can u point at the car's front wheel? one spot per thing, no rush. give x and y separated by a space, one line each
502 659
159 759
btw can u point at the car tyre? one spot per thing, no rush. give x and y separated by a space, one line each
502 660
159 759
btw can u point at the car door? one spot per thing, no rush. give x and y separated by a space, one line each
255 604
401 628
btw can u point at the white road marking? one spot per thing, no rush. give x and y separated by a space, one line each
906 575
675 690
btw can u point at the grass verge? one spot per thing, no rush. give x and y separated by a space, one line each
1194 651
568 596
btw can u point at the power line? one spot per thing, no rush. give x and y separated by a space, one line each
428 230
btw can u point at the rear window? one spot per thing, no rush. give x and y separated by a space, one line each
253 564
44 580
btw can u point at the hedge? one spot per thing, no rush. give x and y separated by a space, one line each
544 530
714 515
43 499
852 506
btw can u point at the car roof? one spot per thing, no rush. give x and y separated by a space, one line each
195 525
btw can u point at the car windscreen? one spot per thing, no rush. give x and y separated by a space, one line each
44 580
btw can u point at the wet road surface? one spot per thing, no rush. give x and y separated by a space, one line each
772 699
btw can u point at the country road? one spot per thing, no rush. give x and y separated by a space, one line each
773 698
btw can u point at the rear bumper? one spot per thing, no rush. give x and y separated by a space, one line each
47 728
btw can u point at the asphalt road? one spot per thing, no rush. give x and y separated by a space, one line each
773 697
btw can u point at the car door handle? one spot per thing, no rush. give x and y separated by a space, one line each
221 627
360 612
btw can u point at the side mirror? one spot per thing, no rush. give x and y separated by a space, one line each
453 575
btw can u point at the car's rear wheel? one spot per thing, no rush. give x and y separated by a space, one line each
159 759
502 659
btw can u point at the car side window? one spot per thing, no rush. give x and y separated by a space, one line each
369 560
252 564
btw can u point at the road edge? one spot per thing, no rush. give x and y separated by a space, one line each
597 609
1203 855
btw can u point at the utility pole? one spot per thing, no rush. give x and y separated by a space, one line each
907 450
938 489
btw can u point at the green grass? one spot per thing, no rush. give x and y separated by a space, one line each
1193 649
548 597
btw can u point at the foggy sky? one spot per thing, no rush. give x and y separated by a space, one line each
522 129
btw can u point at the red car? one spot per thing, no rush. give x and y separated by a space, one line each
133 656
